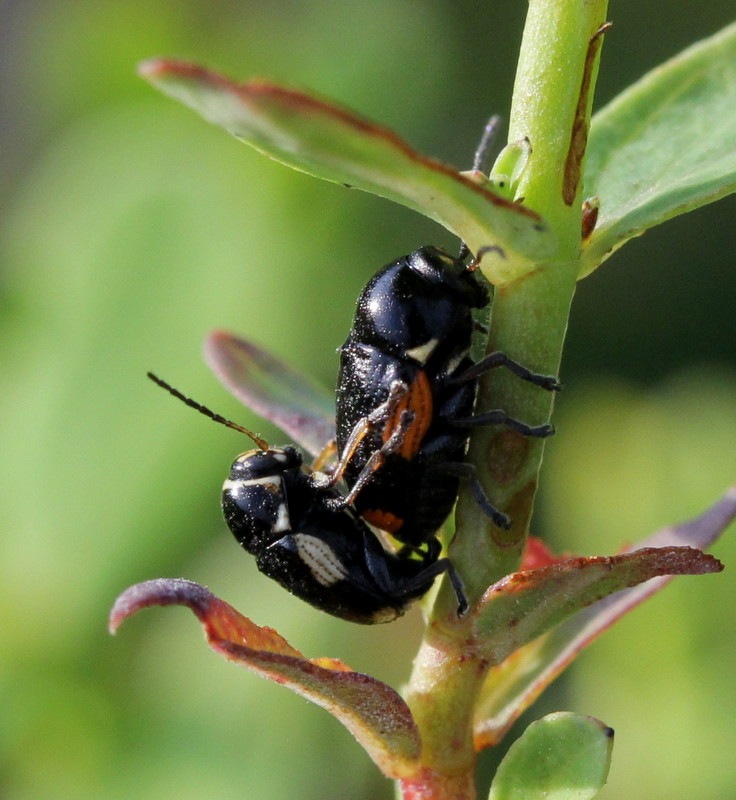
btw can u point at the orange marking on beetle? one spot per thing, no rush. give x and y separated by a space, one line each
418 400
384 520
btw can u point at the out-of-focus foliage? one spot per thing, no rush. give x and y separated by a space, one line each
129 229
659 677
659 149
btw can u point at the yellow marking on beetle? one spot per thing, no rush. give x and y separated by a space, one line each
243 457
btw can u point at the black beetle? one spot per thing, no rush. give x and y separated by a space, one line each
314 546
405 395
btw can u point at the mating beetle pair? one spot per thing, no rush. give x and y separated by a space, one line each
405 396
324 554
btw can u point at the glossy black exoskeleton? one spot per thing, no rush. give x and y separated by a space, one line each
323 554
406 391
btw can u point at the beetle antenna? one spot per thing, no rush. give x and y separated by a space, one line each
261 443
479 162
489 248
484 146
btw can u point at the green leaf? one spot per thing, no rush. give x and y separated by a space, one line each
331 142
372 711
563 756
664 146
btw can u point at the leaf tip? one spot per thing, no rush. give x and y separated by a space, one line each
689 561
158 69
157 592
151 68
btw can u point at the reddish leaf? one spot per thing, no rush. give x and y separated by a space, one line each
372 711
299 406
537 554
512 686
524 605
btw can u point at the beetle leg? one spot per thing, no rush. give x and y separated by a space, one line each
437 568
325 456
377 566
433 550
499 359
465 470
499 417
375 460
362 429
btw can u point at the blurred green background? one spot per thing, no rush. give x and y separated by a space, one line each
129 229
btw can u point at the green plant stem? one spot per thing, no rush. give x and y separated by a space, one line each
553 95
529 322
551 107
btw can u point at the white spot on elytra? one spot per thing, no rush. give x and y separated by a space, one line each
282 523
422 352
455 362
324 565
